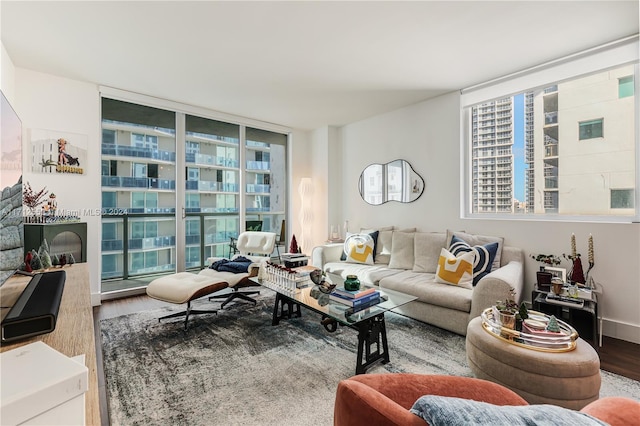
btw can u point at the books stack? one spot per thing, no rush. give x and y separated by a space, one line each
355 299
294 260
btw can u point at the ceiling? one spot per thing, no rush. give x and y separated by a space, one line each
302 64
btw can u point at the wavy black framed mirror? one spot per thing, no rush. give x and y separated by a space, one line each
393 181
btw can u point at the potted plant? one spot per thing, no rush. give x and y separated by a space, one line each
511 314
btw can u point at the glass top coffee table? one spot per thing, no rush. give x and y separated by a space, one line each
368 322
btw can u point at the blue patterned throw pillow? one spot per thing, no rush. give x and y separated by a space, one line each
483 259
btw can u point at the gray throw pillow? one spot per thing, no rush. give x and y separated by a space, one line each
427 246
447 411
401 250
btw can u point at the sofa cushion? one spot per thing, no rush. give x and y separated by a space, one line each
401 250
456 269
446 410
377 231
426 252
374 236
427 290
483 259
385 239
478 240
360 248
383 248
369 275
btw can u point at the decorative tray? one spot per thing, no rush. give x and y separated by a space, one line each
541 340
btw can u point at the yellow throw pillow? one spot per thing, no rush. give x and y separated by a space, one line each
455 270
359 248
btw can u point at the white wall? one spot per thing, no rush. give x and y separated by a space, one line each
47 102
428 136
7 76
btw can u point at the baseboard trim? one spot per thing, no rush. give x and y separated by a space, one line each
96 299
621 330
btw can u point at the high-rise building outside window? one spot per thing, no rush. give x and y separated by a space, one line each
546 151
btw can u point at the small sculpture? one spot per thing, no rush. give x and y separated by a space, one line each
293 247
553 325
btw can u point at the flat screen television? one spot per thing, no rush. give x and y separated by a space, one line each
11 220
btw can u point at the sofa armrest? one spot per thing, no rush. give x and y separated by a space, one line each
357 404
385 399
324 254
614 410
496 286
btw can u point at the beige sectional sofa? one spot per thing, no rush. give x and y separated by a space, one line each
406 261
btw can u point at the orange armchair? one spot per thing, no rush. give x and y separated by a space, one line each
385 399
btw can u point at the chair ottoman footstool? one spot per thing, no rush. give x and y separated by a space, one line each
567 379
184 287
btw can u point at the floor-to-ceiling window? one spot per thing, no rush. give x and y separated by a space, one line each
138 191
167 209
212 188
265 178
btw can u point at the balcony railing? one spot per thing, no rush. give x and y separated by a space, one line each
212 210
258 189
112 245
258 165
152 243
138 182
214 243
205 185
137 152
210 160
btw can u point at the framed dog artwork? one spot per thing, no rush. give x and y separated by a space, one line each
57 152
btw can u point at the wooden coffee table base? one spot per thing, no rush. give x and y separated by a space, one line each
372 332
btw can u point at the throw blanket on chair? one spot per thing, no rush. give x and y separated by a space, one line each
238 265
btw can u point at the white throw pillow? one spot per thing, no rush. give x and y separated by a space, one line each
359 248
401 250
478 240
427 246
454 270
383 247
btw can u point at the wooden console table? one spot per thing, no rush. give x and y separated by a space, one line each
74 333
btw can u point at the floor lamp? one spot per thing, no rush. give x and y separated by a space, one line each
306 212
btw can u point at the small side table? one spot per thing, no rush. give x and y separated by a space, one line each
584 319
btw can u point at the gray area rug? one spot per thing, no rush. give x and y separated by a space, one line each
234 368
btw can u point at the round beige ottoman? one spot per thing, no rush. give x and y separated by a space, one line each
568 379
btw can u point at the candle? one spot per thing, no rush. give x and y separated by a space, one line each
590 249
573 245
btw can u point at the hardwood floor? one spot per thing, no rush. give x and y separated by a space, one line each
617 356
620 357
